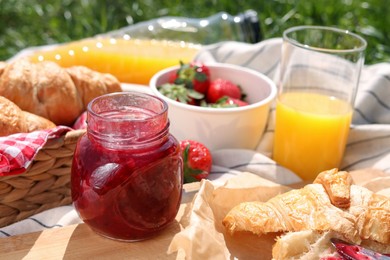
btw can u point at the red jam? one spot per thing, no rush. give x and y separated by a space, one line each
355 252
127 169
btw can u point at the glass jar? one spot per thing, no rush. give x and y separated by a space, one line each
222 26
150 46
127 172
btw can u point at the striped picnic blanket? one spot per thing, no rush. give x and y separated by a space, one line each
368 144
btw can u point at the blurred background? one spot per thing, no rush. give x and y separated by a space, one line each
27 23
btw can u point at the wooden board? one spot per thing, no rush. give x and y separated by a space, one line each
80 242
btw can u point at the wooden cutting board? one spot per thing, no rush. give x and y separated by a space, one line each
80 242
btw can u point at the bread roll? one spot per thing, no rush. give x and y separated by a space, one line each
34 122
2 66
53 92
13 120
90 84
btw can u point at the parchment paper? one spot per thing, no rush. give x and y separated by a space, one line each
203 236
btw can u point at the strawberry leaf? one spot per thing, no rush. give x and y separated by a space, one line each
195 94
175 92
201 77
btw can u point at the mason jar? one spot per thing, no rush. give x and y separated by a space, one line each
127 172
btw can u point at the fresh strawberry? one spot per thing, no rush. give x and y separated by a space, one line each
222 87
234 101
180 93
172 77
197 160
225 102
194 75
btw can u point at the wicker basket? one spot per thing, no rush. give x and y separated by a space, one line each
45 184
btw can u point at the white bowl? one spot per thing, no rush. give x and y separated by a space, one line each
219 128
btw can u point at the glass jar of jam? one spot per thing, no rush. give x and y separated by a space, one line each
127 172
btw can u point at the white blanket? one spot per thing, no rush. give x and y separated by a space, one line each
368 143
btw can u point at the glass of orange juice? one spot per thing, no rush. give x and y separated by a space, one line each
319 76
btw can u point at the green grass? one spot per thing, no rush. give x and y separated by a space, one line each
26 23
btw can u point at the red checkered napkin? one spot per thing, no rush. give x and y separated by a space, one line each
17 151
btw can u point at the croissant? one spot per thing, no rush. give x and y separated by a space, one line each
337 185
315 207
14 120
308 208
50 91
2 66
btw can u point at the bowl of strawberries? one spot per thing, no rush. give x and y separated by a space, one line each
220 105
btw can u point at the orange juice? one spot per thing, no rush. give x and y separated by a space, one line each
311 132
131 61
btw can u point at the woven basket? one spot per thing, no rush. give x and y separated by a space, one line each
45 184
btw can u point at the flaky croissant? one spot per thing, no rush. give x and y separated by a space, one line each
48 90
363 215
308 208
13 120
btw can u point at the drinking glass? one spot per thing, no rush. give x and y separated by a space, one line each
319 77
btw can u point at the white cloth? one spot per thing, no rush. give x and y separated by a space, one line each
368 143
52 218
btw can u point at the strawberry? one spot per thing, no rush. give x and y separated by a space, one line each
197 160
193 75
172 77
225 102
222 87
233 101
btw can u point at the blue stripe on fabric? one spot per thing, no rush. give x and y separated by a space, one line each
361 114
272 68
5 233
44 225
226 56
372 93
387 77
243 165
366 159
254 56
369 140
